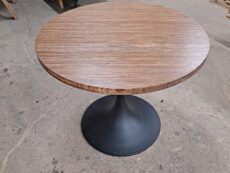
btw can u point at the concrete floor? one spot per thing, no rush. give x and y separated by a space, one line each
40 116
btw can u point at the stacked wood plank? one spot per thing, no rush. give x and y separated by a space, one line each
223 3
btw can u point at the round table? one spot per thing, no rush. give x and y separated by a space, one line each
121 49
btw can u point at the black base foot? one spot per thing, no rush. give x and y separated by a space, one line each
120 125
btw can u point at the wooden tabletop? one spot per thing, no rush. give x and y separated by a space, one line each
122 47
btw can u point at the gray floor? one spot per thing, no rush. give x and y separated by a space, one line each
40 116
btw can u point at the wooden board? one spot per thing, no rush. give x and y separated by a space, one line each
122 47
221 4
224 4
228 15
9 8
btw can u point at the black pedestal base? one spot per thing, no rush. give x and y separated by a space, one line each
120 125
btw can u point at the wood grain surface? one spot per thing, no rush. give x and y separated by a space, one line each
122 47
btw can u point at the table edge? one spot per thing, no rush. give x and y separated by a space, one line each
114 91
